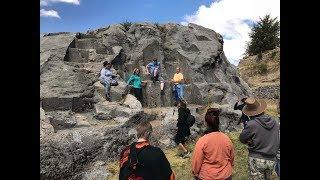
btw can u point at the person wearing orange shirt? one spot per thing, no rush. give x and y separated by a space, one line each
213 156
178 85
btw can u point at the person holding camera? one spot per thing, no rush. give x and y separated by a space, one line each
239 106
261 134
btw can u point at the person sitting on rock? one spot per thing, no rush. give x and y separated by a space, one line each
141 160
136 83
213 155
183 129
261 134
106 78
239 106
178 85
153 69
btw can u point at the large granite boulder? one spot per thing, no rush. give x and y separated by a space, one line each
197 50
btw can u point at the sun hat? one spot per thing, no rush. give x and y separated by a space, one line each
254 106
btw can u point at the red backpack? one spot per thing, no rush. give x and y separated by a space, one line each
129 161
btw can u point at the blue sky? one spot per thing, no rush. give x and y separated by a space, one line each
99 13
230 18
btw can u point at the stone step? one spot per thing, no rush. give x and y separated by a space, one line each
92 43
88 43
77 55
84 55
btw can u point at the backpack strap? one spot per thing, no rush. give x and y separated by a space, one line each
133 155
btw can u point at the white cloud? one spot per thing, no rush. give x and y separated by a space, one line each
43 3
230 19
49 13
47 2
53 13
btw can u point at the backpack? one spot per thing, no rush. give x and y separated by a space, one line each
129 162
191 120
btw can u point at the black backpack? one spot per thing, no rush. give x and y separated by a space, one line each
127 170
191 120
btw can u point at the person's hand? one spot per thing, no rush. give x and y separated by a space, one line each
144 83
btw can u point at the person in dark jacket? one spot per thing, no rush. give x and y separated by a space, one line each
152 163
277 168
183 128
261 134
239 106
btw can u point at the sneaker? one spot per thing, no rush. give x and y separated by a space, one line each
186 154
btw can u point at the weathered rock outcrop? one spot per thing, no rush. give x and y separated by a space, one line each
79 129
197 50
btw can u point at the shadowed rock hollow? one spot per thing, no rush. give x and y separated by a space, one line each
80 130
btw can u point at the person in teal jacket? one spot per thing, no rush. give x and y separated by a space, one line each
135 80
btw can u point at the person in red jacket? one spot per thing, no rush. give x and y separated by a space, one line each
213 156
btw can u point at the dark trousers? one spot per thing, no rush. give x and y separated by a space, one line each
138 94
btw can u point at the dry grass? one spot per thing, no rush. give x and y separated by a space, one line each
249 69
182 167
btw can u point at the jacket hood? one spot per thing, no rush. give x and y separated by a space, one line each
265 121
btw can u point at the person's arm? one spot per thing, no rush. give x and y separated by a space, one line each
236 107
245 135
181 114
164 167
108 73
130 79
197 158
182 79
232 155
147 67
102 74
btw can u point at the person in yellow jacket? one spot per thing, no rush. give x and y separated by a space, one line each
178 85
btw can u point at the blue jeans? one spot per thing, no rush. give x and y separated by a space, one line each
277 168
107 88
178 90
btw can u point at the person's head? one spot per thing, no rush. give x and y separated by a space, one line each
107 64
144 130
178 70
136 71
182 104
155 60
254 107
212 119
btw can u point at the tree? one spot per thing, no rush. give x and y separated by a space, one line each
264 35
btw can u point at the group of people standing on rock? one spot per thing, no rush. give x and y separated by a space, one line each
135 83
213 155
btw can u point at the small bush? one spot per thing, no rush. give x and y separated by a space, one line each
273 54
126 25
262 68
259 56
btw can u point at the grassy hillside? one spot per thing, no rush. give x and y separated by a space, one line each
261 70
